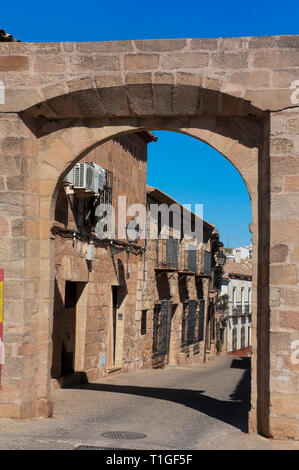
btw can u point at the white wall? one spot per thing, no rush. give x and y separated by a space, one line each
243 251
234 321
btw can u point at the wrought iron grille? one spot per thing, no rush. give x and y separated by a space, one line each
172 253
104 198
184 323
237 310
243 337
156 327
167 253
206 262
192 260
193 322
192 305
246 309
162 328
201 320
234 339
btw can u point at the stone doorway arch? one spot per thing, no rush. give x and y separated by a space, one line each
228 93
239 139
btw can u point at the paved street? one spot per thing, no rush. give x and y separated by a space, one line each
196 407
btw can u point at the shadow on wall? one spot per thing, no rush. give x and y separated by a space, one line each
233 412
163 287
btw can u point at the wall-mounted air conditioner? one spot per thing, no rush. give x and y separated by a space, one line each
87 177
69 177
84 177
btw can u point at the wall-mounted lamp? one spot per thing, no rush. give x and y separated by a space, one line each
221 258
133 231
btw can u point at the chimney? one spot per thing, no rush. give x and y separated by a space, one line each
238 256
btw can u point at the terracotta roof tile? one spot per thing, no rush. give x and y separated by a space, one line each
242 269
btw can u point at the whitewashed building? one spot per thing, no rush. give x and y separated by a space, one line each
242 252
237 286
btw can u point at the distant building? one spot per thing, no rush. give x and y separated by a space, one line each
242 252
182 281
236 291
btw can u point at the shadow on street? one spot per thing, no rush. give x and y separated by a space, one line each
233 412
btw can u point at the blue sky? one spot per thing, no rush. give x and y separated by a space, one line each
194 173
98 20
206 177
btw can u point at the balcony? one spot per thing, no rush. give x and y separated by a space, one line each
240 309
205 262
173 255
189 260
167 254
237 310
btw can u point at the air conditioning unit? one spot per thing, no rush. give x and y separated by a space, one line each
69 177
85 177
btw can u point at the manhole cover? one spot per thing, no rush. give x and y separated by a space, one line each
83 447
124 435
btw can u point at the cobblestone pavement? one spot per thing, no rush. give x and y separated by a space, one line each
195 407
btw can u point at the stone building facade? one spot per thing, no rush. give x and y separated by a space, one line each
61 100
95 300
107 311
236 287
179 285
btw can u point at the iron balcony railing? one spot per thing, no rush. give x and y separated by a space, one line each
167 253
171 253
205 262
189 260
240 309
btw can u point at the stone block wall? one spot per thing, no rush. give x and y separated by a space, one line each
126 158
239 95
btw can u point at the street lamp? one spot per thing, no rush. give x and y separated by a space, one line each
133 231
221 258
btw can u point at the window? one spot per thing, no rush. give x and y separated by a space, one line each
143 322
243 337
201 320
104 198
193 321
207 264
234 297
242 299
234 339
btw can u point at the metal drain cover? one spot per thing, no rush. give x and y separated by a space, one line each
124 435
83 447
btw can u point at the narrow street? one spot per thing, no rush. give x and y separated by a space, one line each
196 407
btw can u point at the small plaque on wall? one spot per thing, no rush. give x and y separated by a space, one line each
120 316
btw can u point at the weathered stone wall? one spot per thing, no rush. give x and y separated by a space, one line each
63 99
126 158
19 257
156 285
243 67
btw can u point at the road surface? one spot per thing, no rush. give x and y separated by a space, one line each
197 407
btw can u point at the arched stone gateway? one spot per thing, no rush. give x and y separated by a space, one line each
61 100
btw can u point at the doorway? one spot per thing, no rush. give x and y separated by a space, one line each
114 321
64 329
116 329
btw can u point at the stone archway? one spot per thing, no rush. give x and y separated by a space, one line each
236 138
218 91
